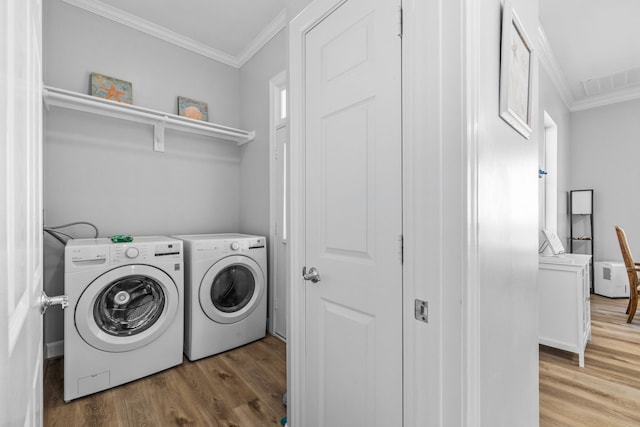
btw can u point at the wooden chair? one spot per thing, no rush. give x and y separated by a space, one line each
632 272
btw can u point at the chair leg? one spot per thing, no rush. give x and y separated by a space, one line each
628 306
633 305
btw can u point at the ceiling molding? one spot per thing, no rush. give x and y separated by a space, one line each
606 99
273 28
551 64
142 25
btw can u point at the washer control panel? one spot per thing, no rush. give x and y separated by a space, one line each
126 252
229 246
122 253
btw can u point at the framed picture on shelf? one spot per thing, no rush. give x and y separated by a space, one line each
193 109
516 66
111 88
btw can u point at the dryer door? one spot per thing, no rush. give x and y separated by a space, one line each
232 289
126 308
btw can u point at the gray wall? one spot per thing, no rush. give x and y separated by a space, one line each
507 239
552 103
254 114
604 156
104 170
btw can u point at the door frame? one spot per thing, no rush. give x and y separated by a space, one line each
275 84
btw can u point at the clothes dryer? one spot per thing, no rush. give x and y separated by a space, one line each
225 292
125 318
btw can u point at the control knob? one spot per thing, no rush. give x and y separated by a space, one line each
131 252
235 246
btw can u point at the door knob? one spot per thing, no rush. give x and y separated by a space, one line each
46 301
313 274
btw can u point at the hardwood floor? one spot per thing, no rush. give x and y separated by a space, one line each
606 392
239 388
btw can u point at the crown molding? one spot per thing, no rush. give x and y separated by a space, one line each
273 28
606 99
117 15
550 62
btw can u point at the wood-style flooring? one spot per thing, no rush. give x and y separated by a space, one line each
606 392
244 387
239 388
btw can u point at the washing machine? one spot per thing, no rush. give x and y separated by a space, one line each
225 292
125 318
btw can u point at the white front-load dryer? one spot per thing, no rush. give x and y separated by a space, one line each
125 318
225 292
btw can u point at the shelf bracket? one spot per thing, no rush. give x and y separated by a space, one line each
158 135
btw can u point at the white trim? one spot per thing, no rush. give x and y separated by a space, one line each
624 95
295 304
550 62
471 358
118 15
267 33
275 86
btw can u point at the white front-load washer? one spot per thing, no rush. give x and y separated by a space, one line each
225 292
125 318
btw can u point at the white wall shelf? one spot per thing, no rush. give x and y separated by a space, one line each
160 121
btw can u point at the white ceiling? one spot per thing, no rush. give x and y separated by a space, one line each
596 42
230 31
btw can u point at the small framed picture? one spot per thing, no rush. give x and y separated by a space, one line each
111 88
516 66
193 109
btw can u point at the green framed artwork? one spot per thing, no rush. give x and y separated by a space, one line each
111 88
193 109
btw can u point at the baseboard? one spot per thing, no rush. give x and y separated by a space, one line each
54 349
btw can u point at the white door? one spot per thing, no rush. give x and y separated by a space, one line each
353 217
20 213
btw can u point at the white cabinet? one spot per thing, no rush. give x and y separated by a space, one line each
564 311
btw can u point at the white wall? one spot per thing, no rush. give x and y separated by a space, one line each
507 238
552 103
604 156
104 170
254 114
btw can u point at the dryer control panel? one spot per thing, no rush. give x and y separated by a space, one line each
229 246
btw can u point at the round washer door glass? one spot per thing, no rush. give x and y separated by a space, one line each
129 306
231 289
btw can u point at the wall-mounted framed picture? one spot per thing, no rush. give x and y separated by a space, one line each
193 109
111 88
516 68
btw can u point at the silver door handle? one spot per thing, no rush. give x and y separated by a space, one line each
46 301
313 274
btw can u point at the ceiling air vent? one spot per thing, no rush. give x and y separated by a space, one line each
621 80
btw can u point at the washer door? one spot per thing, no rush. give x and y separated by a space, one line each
126 308
232 289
